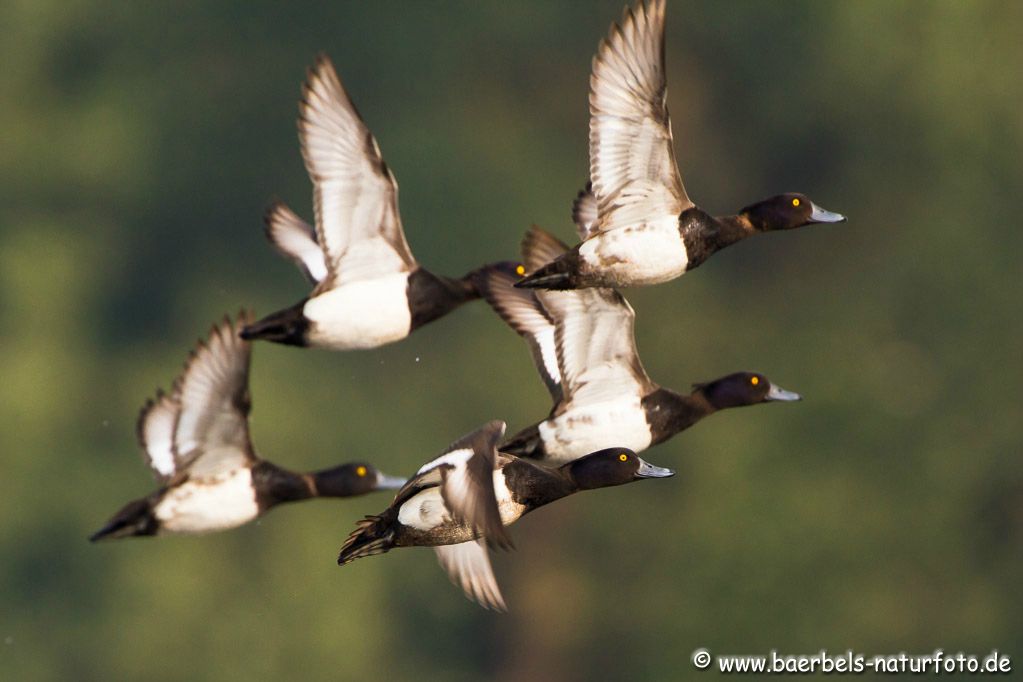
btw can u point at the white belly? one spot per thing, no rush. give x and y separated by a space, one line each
209 504
637 256
363 314
581 431
426 510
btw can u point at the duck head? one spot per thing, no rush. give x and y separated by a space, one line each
614 466
743 388
354 478
786 212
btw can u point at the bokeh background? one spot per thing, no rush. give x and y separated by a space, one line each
139 144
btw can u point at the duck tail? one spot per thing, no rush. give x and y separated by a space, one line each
559 274
135 518
286 326
371 536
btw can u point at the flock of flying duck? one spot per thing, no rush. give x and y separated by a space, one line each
637 226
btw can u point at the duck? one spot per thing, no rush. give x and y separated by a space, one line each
369 290
583 346
196 441
645 229
461 502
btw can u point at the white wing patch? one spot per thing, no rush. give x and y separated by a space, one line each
468 566
456 458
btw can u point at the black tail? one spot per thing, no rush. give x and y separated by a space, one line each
372 535
286 326
135 518
558 274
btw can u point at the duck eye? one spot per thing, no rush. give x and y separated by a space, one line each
520 269
360 471
623 457
756 380
795 202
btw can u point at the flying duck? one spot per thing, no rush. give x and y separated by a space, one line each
645 229
462 500
584 348
196 441
369 290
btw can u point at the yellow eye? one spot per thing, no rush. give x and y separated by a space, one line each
520 269
795 202
623 457
756 380
360 471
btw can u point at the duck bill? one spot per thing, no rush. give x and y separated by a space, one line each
385 482
648 470
780 394
819 215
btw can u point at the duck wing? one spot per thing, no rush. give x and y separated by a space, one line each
465 474
585 212
593 335
632 160
358 225
468 566
201 427
522 311
295 239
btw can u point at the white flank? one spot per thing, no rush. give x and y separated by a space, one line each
361 314
209 504
426 510
511 511
644 255
580 431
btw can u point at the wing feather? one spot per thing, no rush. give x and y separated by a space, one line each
211 433
295 239
522 311
468 566
632 157
355 194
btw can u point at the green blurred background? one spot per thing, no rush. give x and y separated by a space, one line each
139 144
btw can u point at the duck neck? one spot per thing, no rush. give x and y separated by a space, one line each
275 485
431 296
668 412
534 485
703 234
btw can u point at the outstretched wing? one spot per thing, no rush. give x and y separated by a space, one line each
468 566
522 311
202 427
632 159
465 474
295 239
593 335
355 194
